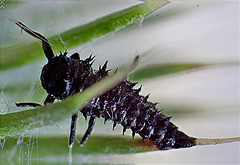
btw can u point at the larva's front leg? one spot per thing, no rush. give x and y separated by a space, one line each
49 99
88 131
73 130
28 105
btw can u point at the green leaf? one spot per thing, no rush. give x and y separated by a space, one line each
153 71
12 123
17 55
96 145
45 148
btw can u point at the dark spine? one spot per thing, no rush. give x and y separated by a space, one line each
123 105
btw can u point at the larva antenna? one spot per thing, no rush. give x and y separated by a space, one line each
45 44
205 141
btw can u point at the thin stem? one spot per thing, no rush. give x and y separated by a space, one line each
203 141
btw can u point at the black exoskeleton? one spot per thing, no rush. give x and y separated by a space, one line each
64 76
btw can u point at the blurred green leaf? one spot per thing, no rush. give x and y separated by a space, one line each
17 55
42 149
153 71
97 145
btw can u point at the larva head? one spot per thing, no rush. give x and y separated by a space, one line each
57 76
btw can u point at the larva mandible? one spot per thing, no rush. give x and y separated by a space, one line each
64 76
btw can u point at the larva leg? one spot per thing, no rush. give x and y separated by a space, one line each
73 129
89 130
49 99
28 104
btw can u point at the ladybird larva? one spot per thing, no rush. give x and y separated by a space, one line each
64 76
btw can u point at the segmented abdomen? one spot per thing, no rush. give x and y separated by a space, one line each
123 105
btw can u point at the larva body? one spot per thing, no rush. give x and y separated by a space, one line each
64 76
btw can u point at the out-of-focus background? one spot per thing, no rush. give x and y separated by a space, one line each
204 102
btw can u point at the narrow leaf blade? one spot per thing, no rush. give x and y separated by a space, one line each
18 55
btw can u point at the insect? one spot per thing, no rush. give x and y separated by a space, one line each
64 76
